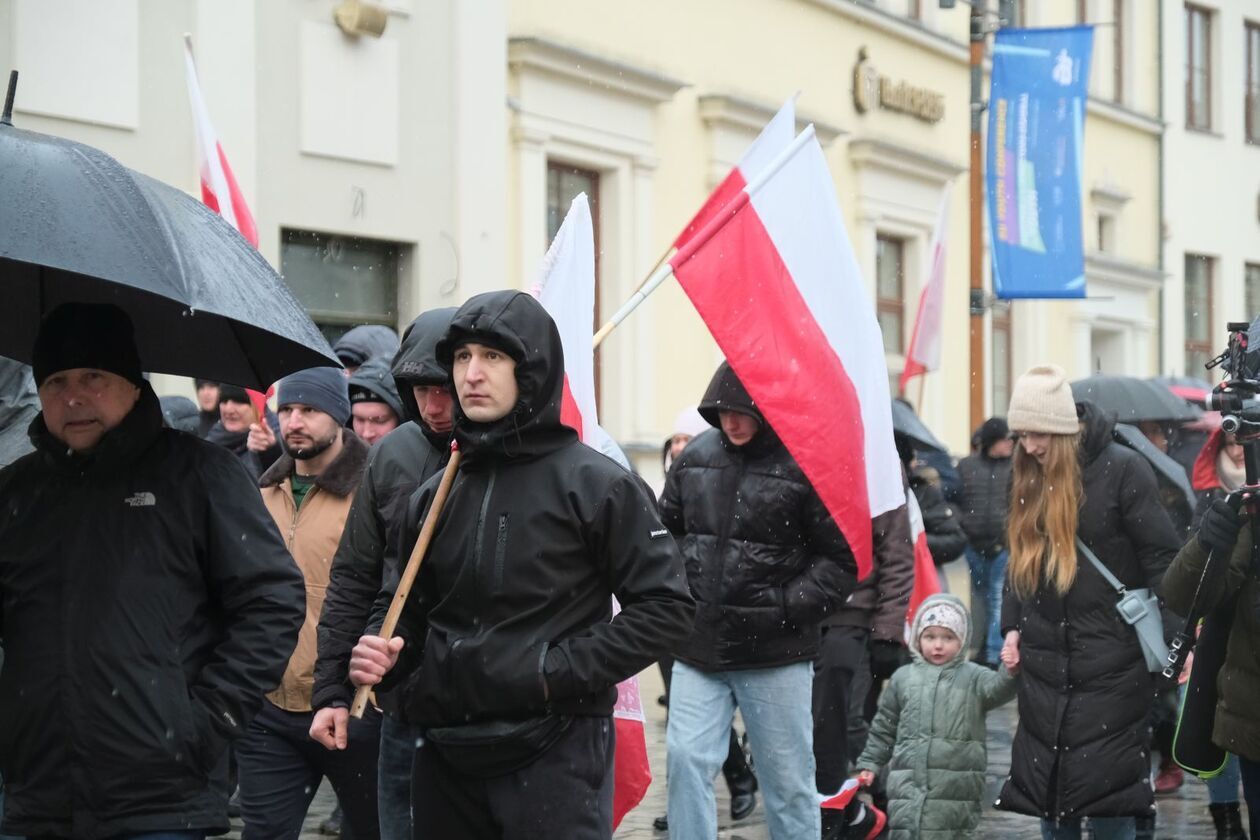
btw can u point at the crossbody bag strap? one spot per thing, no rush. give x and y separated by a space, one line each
1102 570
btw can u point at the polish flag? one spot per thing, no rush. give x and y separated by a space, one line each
773 139
566 289
219 189
925 342
775 279
926 580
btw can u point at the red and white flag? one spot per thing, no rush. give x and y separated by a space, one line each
925 341
926 580
566 289
775 279
773 139
219 189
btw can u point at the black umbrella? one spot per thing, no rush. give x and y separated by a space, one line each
1133 400
1166 469
907 423
76 225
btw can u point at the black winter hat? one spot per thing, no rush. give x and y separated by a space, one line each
323 388
991 431
86 335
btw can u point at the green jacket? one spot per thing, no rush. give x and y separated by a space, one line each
1237 728
930 733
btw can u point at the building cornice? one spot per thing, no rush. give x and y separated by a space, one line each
1125 116
896 26
541 54
1123 272
733 111
876 152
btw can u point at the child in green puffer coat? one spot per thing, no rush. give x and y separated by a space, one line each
929 730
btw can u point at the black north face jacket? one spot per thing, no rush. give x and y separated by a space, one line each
147 603
511 615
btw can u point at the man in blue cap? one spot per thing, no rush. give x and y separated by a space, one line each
308 492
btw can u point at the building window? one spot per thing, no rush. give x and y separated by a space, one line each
1106 233
890 284
1252 104
343 281
1251 291
1000 320
1198 68
564 183
1199 271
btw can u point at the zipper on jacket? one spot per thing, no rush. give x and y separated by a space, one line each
724 530
500 550
478 542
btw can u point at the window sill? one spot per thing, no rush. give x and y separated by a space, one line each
1205 132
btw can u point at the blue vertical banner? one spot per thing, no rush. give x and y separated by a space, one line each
1033 166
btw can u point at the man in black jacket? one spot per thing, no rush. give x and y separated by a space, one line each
510 651
766 563
147 602
986 501
397 467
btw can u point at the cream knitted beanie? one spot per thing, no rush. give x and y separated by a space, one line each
1042 402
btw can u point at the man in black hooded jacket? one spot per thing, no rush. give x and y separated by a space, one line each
510 652
147 602
397 466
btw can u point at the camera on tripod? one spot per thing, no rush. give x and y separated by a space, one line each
1237 397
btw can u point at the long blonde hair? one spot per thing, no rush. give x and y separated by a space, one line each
1041 530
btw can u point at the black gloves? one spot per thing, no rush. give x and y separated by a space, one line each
887 656
1218 530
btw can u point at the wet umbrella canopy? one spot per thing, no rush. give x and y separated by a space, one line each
906 422
76 225
1167 470
1133 400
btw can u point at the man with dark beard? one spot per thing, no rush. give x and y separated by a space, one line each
308 492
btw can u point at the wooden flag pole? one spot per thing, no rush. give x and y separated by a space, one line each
413 567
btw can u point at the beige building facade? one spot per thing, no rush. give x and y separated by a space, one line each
393 174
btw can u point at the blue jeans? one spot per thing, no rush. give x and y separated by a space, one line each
1105 828
393 791
988 574
775 704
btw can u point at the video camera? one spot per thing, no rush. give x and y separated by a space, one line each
1237 397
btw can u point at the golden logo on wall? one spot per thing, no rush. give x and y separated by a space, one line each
870 89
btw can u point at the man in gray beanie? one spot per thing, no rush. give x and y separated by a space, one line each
308 492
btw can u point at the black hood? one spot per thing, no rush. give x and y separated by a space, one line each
19 403
417 364
375 376
363 342
727 393
517 324
1096 430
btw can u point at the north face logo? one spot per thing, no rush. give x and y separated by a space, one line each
142 499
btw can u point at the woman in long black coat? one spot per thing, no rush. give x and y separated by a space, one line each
1085 693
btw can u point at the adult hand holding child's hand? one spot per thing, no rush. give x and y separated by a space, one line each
1010 652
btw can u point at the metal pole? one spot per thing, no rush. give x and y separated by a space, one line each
977 216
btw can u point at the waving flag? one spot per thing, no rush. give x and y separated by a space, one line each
219 189
775 279
566 289
926 580
774 138
925 342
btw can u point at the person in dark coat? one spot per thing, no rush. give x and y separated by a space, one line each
510 653
207 405
1085 692
180 413
985 503
375 407
766 563
243 414
362 343
147 602
19 403
368 554
945 537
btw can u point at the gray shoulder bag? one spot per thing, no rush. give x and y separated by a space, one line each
1140 608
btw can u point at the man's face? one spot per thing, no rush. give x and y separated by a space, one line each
372 421
208 396
485 380
436 406
738 428
237 416
1003 448
306 431
82 404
